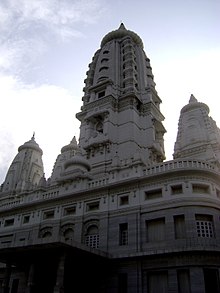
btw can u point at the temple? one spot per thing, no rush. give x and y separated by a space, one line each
115 216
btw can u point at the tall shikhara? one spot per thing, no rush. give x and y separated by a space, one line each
115 217
121 122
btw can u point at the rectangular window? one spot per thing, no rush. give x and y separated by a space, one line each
200 188
153 194
68 211
177 189
179 226
123 234
204 226
9 222
183 281
155 230
93 206
48 215
124 200
26 219
4 239
101 94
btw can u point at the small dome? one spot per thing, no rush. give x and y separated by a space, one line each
193 104
78 160
120 33
31 144
71 146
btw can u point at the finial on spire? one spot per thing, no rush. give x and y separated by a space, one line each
33 136
74 140
122 27
192 99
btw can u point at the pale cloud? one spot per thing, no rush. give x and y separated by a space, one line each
27 28
18 15
46 110
197 74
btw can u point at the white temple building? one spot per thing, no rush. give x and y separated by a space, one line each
115 216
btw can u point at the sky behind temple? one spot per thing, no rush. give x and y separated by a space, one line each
46 46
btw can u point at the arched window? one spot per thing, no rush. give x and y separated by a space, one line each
68 234
67 231
103 68
92 236
104 60
45 232
102 78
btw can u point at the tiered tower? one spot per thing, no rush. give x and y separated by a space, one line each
121 122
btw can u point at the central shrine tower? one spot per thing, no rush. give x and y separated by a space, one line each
121 122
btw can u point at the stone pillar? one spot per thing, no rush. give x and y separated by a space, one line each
6 280
59 287
30 282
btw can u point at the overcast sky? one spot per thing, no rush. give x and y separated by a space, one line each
46 46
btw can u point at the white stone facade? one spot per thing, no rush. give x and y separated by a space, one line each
115 216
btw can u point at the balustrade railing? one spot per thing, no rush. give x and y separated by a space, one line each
156 169
180 164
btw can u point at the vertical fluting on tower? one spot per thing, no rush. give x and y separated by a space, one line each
129 66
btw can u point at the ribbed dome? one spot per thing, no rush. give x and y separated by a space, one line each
120 33
31 144
193 104
77 160
71 146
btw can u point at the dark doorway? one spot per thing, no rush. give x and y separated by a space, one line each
45 276
211 278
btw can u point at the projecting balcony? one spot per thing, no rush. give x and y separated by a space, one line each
181 245
177 246
175 165
166 167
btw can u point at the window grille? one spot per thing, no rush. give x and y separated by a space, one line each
92 236
204 226
92 241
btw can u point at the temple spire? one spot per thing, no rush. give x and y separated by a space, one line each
198 136
26 169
